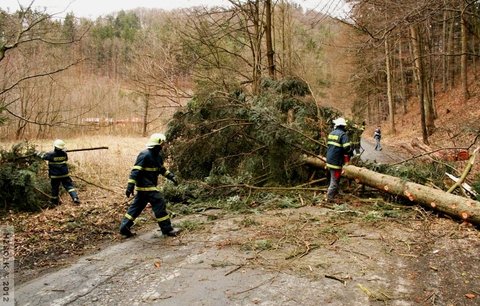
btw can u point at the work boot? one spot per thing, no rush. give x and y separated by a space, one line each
173 233
125 228
76 200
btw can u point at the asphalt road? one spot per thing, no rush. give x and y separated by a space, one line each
193 270
385 156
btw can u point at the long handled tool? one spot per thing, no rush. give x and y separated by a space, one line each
72 150
87 149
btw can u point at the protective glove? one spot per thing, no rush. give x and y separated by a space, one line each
39 154
172 178
130 188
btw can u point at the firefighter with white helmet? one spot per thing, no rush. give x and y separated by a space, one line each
143 178
58 171
338 153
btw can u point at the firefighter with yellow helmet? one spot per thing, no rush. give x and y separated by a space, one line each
143 178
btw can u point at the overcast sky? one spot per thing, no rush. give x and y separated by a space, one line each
94 8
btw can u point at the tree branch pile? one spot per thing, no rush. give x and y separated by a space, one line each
234 138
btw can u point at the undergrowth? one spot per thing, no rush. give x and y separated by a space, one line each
23 186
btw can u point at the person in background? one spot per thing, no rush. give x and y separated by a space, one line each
338 153
354 132
144 176
377 135
58 171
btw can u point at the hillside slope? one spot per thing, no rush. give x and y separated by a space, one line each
457 124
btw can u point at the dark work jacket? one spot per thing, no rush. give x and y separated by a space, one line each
57 163
148 166
338 146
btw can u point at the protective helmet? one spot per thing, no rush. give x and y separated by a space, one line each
59 144
156 140
340 122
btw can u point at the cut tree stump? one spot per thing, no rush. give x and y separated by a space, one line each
450 204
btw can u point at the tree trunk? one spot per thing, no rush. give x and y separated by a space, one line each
391 106
282 57
402 77
428 65
463 23
444 48
452 205
474 58
268 38
451 51
255 46
145 115
420 78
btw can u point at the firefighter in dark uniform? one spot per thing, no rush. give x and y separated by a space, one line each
58 171
338 153
355 131
144 177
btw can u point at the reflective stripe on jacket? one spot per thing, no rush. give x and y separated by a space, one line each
338 146
57 163
148 166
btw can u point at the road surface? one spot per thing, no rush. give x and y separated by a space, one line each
385 156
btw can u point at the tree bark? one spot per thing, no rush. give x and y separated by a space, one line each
452 205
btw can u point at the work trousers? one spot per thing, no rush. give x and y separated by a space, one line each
158 206
67 184
332 190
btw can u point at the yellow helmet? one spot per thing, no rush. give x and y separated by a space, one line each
156 140
59 144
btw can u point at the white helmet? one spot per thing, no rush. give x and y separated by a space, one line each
156 140
340 122
59 144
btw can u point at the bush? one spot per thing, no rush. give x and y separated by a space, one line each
20 186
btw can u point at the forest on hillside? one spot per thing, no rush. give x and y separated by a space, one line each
128 72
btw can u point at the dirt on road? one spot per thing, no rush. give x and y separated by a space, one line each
362 253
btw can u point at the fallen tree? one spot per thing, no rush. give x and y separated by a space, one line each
439 200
